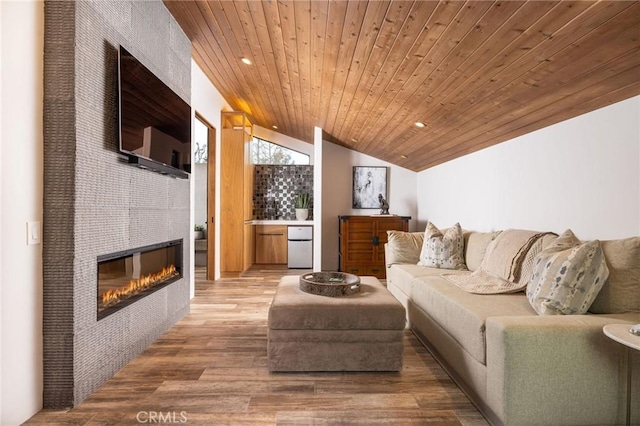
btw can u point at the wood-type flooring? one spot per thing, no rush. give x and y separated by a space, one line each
210 368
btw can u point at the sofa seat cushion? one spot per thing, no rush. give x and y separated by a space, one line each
462 314
402 275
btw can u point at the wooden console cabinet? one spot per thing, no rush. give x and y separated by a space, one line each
362 240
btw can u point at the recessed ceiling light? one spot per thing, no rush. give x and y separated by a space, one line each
419 124
246 61
274 127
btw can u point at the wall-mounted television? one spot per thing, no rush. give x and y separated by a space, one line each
155 123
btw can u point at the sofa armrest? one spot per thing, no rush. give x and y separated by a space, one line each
552 370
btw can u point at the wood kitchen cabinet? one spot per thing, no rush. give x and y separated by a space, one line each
236 193
271 244
362 240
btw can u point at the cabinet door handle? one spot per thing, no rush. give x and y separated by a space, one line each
375 241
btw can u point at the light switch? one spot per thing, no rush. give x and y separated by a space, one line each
34 233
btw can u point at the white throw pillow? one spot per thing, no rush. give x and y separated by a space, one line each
567 276
443 251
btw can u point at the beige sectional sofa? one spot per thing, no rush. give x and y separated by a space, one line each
518 367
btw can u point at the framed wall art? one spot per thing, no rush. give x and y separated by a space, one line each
368 184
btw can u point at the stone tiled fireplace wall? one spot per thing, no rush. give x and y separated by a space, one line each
94 202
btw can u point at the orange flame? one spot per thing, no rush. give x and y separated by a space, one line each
112 297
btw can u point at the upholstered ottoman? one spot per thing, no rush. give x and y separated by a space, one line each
360 332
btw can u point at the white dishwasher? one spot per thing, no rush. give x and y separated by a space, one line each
300 247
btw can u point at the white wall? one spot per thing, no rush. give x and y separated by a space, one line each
21 171
1 208
318 198
337 183
199 177
207 101
284 140
582 174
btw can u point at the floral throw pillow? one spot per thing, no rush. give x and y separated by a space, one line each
444 251
567 276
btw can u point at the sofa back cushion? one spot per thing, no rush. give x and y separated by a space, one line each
403 247
621 292
476 247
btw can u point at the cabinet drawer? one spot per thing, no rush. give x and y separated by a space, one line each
377 271
354 269
360 270
278 230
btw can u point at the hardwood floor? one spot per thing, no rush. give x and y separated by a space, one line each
211 368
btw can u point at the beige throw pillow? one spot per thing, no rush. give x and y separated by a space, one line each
443 251
403 247
567 276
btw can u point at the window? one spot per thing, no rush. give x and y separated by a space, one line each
264 152
201 139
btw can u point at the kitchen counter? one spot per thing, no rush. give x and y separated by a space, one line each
280 222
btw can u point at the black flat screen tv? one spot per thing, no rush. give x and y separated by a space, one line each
155 123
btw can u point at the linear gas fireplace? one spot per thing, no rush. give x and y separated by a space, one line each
127 276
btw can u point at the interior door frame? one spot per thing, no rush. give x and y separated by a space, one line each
211 197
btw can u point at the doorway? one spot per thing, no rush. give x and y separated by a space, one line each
205 198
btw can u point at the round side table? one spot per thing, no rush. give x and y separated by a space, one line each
620 333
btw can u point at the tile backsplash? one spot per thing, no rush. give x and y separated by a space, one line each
275 187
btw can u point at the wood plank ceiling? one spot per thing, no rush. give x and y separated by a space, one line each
476 73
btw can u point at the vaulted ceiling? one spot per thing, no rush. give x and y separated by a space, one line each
476 73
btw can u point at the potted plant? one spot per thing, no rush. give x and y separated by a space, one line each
301 204
198 232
